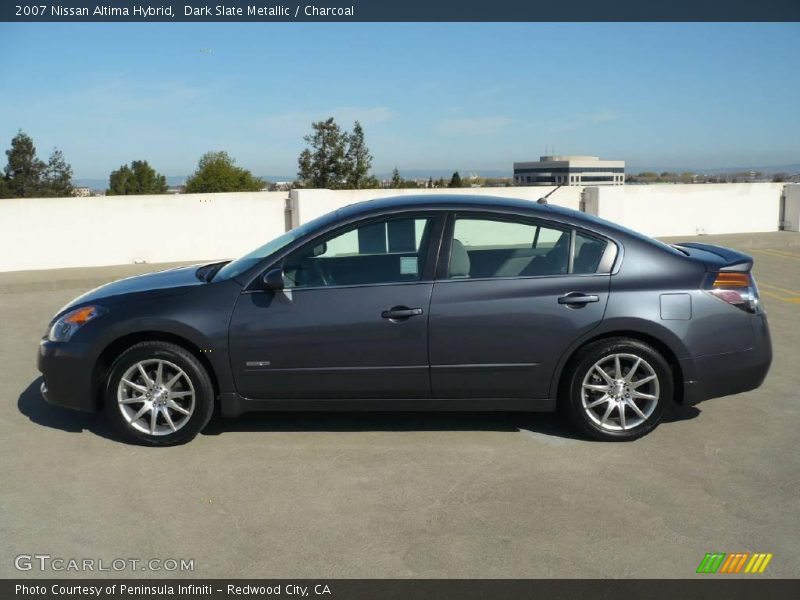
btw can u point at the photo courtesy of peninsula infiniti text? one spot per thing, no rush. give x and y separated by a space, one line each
419 303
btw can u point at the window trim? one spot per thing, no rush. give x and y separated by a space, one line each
606 267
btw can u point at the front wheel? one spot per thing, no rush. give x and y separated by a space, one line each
158 394
618 389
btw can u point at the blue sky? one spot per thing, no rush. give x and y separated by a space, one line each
430 96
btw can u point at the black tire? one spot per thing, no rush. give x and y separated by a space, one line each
583 368
172 354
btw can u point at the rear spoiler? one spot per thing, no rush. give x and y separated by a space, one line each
717 258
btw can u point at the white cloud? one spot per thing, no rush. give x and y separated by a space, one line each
584 120
118 95
473 125
299 122
498 89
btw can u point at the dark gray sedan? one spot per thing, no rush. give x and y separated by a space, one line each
419 303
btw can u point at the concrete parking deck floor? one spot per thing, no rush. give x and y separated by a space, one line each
405 495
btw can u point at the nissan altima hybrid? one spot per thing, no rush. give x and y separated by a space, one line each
419 303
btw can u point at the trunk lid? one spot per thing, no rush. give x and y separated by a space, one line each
717 258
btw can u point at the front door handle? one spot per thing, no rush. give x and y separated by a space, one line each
576 298
401 312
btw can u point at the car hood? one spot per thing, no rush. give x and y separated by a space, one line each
170 280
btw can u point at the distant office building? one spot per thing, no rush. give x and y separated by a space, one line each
81 192
570 170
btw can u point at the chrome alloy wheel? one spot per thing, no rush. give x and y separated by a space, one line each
620 392
156 397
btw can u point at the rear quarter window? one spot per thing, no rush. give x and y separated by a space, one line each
589 252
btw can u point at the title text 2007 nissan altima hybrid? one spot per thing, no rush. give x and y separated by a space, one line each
419 303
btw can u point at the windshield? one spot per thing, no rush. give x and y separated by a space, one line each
240 265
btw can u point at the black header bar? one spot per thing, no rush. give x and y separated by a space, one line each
711 587
399 11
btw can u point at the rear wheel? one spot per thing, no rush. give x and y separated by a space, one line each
158 394
618 389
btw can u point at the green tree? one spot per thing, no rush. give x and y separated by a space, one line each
325 164
25 176
119 181
430 182
371 182
23 173
455 181
217 172
358 159
56 179
397 181
139 178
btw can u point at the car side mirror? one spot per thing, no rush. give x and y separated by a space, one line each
273 280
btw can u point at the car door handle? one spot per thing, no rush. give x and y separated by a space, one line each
574 298
401 312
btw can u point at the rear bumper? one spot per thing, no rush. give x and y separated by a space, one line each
716 375
67 372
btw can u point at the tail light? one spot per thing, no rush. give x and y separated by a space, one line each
736 288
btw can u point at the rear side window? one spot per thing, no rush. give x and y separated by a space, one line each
485 248
588 254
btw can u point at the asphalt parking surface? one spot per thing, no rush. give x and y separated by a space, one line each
404 495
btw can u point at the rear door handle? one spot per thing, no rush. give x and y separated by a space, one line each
401 312
574 298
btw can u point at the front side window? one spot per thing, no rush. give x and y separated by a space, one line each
483 247
242 264
385 251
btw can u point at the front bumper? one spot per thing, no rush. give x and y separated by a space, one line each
715 375
67 371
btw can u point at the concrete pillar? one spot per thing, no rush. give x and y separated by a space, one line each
790 219
590 201
291 210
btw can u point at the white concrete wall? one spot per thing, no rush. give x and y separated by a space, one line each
791 211
50 233
675 209
310 204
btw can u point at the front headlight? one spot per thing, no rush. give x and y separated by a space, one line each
67 324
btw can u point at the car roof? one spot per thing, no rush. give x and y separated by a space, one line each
474 202
441 201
